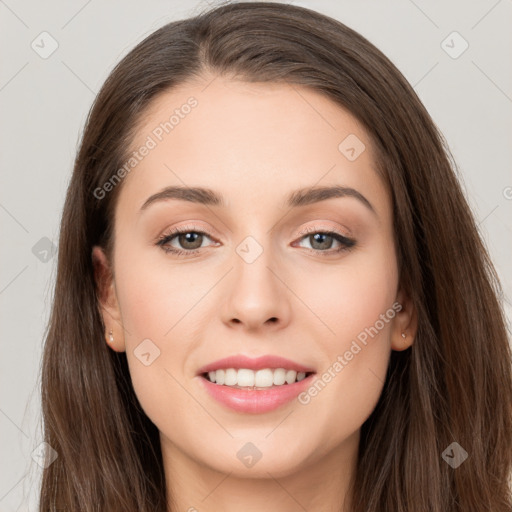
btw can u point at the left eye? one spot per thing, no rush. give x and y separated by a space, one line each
191 240
324 240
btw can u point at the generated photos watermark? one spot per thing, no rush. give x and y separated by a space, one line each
344 359
152 140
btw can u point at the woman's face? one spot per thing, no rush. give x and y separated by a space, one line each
259 274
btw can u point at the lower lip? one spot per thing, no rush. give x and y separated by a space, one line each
253 400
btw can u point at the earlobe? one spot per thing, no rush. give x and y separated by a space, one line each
405 323
107 300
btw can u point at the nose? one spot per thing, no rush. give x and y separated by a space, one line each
256 295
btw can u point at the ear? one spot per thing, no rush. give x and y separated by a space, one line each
404 323
107 298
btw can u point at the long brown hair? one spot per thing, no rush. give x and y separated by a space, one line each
453 385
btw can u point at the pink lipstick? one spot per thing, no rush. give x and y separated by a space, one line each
250 385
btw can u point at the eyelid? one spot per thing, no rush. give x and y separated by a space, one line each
342 231
185 229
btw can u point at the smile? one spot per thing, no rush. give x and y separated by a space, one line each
256 386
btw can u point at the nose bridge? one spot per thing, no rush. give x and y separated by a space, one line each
253 261
255 248
256 295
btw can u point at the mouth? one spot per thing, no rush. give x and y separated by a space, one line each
245 378
248 385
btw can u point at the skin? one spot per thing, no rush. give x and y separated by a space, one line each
254 143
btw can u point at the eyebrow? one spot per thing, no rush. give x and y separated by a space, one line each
297 198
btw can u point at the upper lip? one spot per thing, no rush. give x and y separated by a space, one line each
266 361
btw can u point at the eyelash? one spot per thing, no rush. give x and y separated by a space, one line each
346 243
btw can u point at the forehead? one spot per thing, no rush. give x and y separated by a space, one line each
253 141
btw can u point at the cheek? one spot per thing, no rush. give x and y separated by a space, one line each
155 309
155 293
350 297
355 303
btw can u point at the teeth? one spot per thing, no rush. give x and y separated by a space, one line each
243 378
264 378
279 376
291 375
231 378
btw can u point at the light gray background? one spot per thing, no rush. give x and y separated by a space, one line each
44 103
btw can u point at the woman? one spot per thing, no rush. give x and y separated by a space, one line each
271 290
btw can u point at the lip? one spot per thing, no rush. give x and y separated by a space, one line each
258 363
255 401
